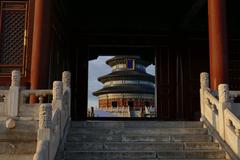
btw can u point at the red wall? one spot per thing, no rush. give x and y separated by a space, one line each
138 103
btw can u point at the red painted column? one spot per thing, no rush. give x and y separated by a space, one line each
218 47
41 44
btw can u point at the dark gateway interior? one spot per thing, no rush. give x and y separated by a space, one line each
172 34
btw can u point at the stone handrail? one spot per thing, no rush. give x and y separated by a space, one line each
218 114
37 92
40 93
13 102
28 108
53 119
235 93
213 100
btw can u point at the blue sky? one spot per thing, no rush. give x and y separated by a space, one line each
98 68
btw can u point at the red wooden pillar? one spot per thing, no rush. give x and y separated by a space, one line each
218 47
41 44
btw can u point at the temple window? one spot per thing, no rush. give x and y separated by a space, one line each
130 64
114 104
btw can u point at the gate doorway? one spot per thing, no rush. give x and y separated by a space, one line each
119 87
177 79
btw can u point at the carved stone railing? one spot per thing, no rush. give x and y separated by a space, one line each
3 102
53 119
40 94
120 111
53 116
15 104
221 115
28 109
234 94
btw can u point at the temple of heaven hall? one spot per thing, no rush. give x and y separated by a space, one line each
128 90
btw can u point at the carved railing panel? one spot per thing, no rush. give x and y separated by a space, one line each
211 110
40 94
232 131
30 110
220 111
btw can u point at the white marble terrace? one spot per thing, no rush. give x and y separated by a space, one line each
52 117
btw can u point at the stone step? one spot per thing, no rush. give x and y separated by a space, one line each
136 124
135 140
139 138
16 157
167 138
94 138
146 155
24 131
137 131
80 158
140 146
18 147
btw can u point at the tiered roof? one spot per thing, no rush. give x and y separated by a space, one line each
126 74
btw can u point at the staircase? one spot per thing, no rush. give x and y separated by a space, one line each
18 143
133 140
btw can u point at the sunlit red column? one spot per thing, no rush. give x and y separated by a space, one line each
41 44
218 46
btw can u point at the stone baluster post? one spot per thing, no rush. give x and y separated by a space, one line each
204 82
57 90
223 93
58 103
45 116
57 94
14 94
66 80
44 132
45 122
